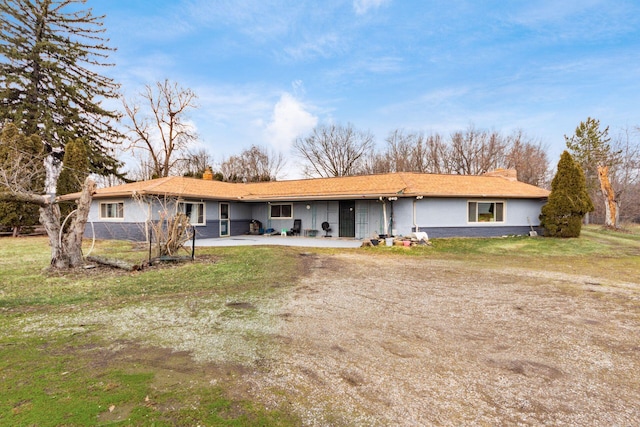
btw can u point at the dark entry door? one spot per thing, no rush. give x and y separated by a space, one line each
347 218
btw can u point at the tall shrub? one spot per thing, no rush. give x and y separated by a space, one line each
568 202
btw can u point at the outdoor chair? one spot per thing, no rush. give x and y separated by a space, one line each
327 228
297 227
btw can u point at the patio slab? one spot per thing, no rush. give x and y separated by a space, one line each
309 242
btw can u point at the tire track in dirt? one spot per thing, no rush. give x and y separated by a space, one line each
402 341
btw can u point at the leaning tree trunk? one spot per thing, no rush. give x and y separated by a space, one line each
73 236
50 220
66 246
611 205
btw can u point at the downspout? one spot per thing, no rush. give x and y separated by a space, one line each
391 199
384 216
415 215
415 225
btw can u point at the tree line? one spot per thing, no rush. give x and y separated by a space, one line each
611 166
57 137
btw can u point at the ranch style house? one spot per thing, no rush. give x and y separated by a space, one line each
359 207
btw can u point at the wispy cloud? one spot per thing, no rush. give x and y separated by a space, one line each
261 20
579 20
363 6
323 46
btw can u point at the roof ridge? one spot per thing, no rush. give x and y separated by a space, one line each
160 181
408 185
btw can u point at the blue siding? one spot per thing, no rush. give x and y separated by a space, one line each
440 232
134 231
439 217
212 229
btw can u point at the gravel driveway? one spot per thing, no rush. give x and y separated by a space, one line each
368 340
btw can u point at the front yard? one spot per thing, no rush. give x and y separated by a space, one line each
467 332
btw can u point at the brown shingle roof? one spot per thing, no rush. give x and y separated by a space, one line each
351 187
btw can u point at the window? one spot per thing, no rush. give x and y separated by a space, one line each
281 211
112 210
193 211
486 212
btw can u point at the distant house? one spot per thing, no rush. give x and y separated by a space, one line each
358 207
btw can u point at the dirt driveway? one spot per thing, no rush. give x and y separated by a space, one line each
369 340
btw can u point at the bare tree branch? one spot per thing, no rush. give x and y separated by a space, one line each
164 133
334 150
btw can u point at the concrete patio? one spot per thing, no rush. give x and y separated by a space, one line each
254 240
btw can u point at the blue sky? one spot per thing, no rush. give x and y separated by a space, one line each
267 71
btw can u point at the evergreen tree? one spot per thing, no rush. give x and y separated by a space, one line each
74 172
568 202
592 150
590 147
49 51
16 150
49 87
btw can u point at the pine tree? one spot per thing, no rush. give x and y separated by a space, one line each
49 51
49 87
568 202
16 150
592 150
74 172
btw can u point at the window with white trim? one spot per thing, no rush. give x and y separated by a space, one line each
194 211
486 211
281 211
112 210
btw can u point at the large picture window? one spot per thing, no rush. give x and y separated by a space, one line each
194 211
486 211
283 211
112 210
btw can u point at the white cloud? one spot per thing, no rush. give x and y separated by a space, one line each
290 120
363 6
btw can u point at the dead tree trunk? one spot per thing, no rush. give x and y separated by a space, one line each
50 220
66 246
73 236
611 205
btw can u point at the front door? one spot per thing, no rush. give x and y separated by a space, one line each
224 219
347 218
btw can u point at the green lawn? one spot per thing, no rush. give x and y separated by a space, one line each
63 378
57 372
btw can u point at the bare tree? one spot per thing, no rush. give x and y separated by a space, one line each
164 134
528 158
401 151
474 152
374 163
197 162
254 164
468 152
334 150
438 154
415 152
625 173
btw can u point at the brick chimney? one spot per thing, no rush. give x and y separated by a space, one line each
510 174
208 174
